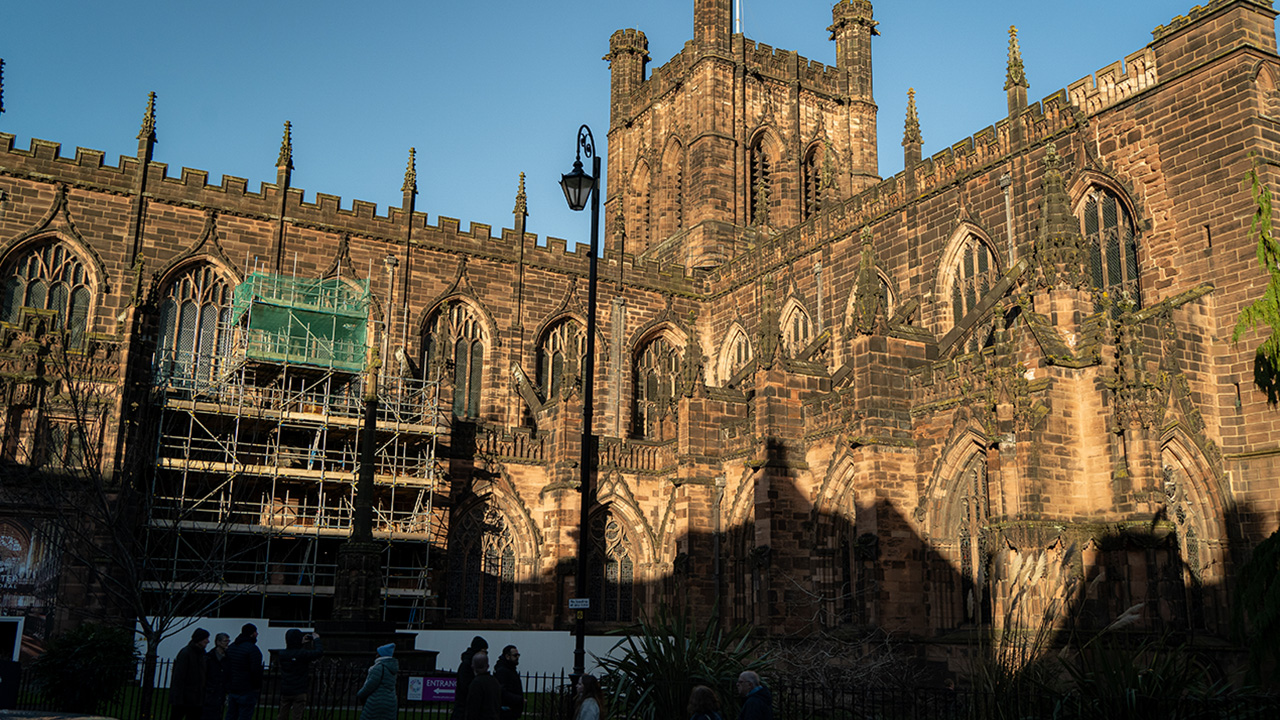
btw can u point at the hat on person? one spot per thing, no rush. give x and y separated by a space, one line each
386 650
479 643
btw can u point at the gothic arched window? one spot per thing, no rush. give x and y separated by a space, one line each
972 275
611 571
735 354
49 277
1113 246
797 330
656 379
970 522
560 352
812 169
482 566
194 316
456 336
759 183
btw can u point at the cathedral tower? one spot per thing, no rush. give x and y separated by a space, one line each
732 140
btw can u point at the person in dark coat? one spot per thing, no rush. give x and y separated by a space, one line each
758 701
186 684
378 694
243 667
465 676
215 682
300 649
484 697
509 678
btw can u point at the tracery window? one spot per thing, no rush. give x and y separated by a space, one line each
49 277
759 183
482 566
560 354
973 275
797 330
970 522
456 336
1113 246
735 355
656 379
611 571
194 319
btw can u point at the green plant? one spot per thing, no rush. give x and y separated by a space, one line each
1255 614
85 667
651 671
1266 309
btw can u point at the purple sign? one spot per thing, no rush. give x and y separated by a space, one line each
432 689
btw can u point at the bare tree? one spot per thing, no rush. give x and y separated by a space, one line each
78 444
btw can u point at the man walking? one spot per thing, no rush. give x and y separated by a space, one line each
186 685
505 672
300 649
215 682
466 675
484 697
758 701
243 674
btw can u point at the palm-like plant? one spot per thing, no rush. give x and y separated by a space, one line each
651 671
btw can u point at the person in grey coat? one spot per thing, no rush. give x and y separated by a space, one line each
379 692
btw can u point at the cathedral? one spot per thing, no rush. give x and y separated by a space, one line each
994 387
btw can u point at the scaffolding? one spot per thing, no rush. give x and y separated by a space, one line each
258 449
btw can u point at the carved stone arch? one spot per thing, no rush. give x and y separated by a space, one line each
341 265
967 441
616 581
616 498
798 326
207 247
553 358
1085 180
663 327
528 537
764 177
656 358
571 305
56 225
1198 500
460 290
953 254
891 299
736 352
741 507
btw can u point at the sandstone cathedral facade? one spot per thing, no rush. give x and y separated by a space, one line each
998 380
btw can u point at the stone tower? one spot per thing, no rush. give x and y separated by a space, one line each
732 140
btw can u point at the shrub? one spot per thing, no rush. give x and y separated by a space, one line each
85 667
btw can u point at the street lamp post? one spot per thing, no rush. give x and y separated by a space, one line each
578 186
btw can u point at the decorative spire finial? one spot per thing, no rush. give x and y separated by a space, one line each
285 160
522 207
411 173
911 134
1 85
1016 75
148 130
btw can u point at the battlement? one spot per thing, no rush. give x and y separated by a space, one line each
1114 83
1199 12
788 65
629 40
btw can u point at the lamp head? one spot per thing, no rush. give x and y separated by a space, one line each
577 186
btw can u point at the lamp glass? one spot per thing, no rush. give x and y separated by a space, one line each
577 187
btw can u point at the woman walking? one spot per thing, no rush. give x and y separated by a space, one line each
703 704
379 692
590 699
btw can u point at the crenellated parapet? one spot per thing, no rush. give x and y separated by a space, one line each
1114 83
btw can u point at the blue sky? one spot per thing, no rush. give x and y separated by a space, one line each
483 90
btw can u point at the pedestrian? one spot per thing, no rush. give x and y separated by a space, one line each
484 697
215 682
466 675
757 703
508 676
378 694
590 699
300 649
243 666
703 704
186 684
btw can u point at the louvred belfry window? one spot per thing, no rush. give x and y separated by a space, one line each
49 277
1113 246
